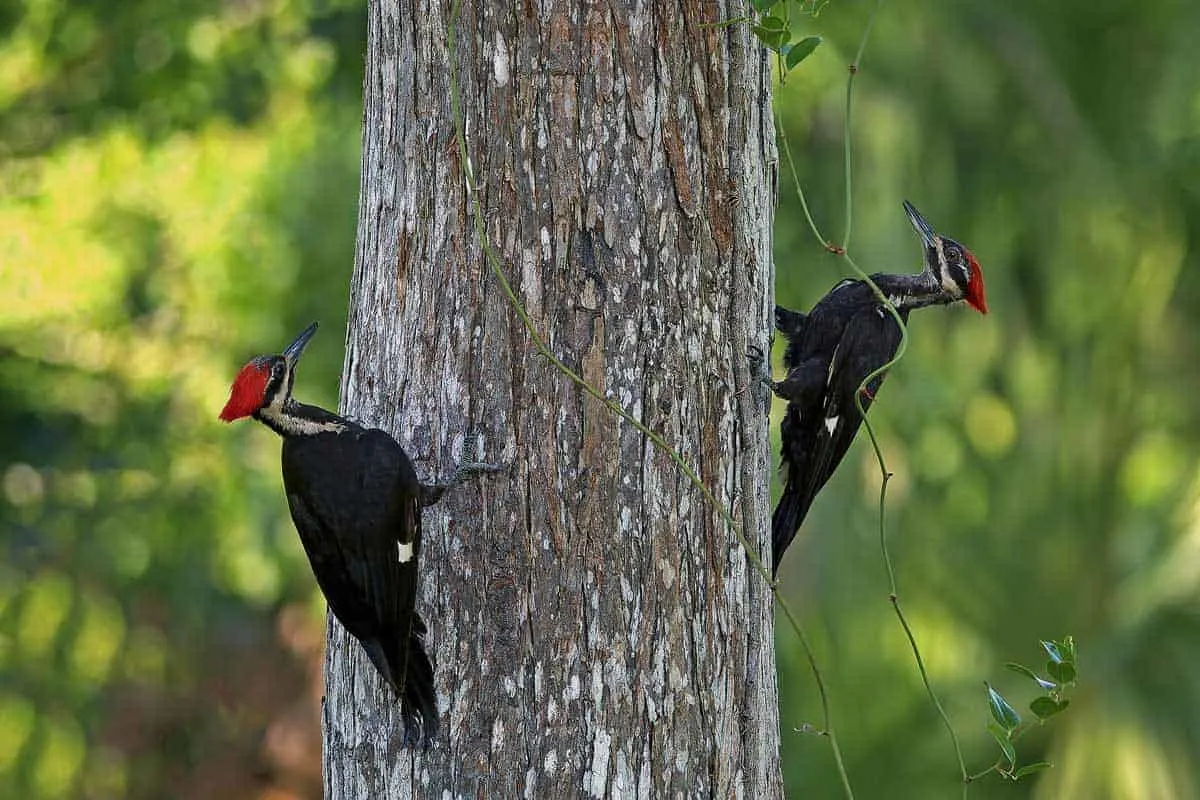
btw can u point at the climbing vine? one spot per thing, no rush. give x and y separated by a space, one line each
776 32
782 26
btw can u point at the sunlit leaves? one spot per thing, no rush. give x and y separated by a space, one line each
59 758
1030 769
44 608
1004 714
99 636
22 485
795 53
1061 652
773 32
1006 726
1046 707
17 717
779 29
1003 738
990 425
176 183
1027 672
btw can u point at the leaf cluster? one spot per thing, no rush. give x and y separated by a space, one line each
1006 725
779 29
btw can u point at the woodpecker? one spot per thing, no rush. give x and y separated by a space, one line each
356 503
846 336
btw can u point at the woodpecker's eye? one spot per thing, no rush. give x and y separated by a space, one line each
953 254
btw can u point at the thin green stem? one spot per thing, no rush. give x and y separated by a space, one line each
893 595
787 151
893 591
725 23
1017 733
862 46
972 778
661 444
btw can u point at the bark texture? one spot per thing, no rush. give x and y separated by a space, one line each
597 630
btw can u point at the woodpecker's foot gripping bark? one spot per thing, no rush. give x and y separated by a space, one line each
759 367
432 492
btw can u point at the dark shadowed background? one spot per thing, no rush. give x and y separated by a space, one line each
178 192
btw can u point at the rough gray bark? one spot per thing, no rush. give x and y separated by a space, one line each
596 627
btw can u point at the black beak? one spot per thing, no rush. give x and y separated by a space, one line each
919 224
294 350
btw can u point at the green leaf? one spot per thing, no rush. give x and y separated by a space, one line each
1067 648
762 6
773 24
1046 707
801 50
1004 714
1001 737
1028 673
1062 672
1029 769
772 32
1053 651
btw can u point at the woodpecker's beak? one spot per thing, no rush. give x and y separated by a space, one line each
292 354
923 228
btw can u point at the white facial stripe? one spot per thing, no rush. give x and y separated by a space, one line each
404 551
297 425
944 277
831 424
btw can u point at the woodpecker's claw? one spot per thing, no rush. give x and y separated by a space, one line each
468 468
758 364
432 492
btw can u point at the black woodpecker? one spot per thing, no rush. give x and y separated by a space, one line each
356 502
847 336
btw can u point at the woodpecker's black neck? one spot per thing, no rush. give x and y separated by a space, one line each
290 418
913 291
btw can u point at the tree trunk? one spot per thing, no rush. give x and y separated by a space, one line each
597 629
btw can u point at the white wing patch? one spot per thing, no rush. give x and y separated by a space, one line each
831 424
405 551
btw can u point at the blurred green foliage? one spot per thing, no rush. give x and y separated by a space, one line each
1045 455
178 185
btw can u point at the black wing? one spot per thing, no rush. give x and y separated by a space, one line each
354 498
821 419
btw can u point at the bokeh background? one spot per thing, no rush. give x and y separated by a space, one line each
178 188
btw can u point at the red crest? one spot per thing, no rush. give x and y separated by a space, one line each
974 293
248 390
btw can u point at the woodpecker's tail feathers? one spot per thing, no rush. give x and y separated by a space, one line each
409 673
789 513
789 322
375 652
419 707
